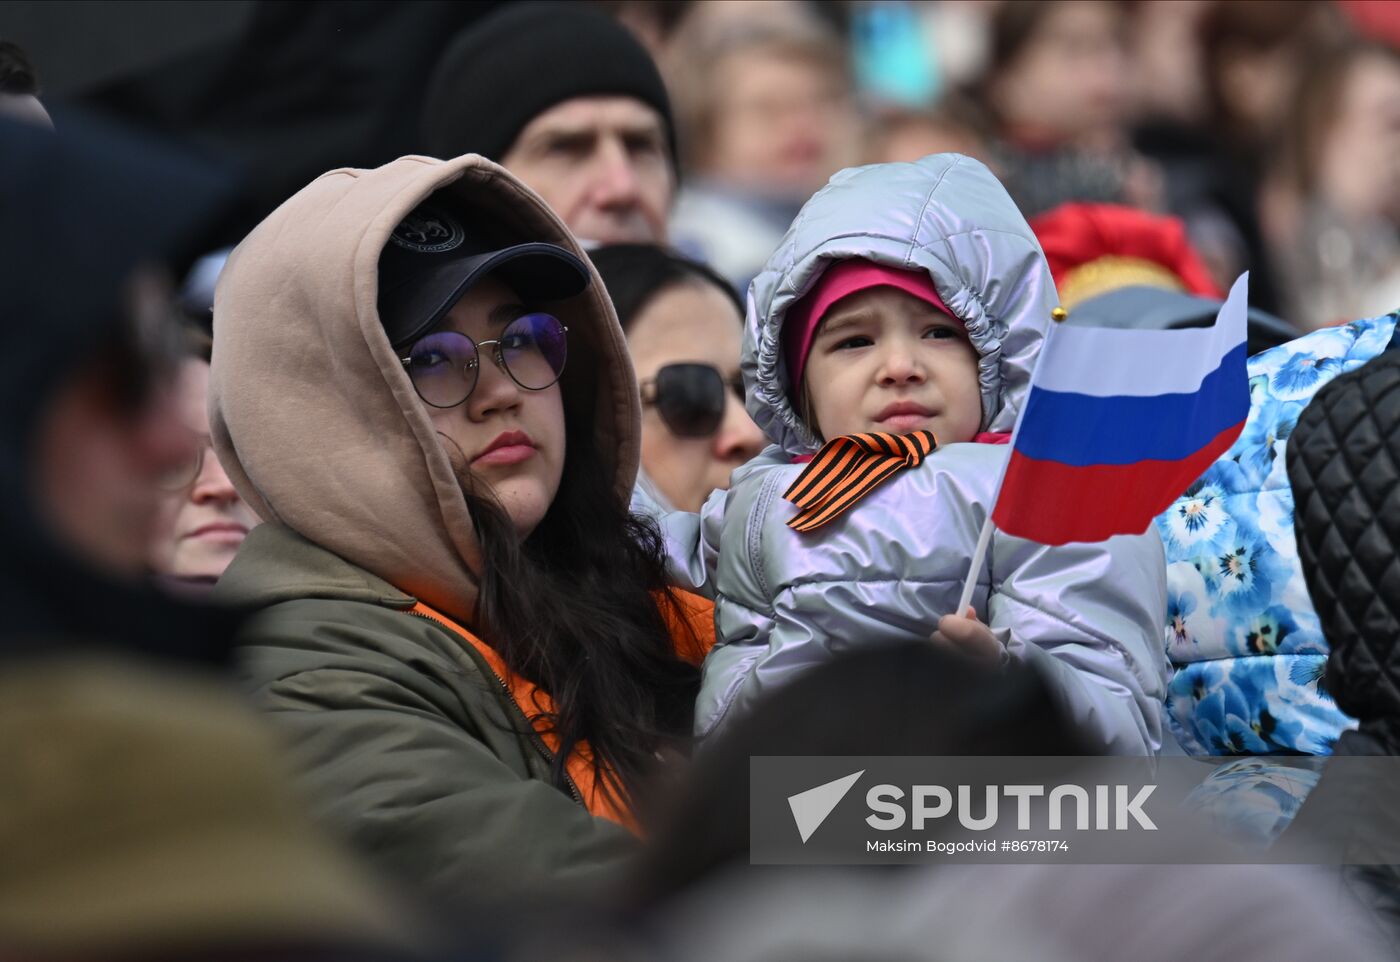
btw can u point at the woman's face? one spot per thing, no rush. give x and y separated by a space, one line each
202 526
782 124
1360 162
503 437
1069 82
691 323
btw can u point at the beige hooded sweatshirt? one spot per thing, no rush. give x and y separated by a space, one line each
311 411
407 733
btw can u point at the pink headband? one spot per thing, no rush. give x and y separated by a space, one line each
843 279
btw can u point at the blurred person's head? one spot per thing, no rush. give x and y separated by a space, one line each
111 435
653 22
89 216
684 328
19 87
1252 53
1115 266
954 126
146 813
1096 248
1344 144
203 520
767 103
566 99
1058 73
905 699
1165 56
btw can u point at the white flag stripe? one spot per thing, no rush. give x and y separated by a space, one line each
1113 362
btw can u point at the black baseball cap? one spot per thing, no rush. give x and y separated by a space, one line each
433 257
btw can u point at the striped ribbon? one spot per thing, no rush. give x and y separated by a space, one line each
847 469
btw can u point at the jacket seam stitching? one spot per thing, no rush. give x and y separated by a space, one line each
914 241
755 533
847 579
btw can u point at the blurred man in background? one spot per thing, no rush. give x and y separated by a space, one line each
570 102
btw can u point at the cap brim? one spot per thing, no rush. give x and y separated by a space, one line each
535 272
1153 308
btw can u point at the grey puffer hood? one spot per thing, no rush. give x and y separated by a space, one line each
967 233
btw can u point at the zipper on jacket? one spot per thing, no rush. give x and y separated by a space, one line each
529 729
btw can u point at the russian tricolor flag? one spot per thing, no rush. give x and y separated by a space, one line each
1118 423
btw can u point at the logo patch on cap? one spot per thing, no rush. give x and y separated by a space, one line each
428 230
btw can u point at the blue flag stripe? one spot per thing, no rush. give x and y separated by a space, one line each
1083 430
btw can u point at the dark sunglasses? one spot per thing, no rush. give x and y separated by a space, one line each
444 366
690 397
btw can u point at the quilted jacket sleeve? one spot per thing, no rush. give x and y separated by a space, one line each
1089 615
691 539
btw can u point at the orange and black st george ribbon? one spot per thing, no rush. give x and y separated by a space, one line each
848 468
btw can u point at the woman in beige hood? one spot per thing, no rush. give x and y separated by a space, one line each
466 635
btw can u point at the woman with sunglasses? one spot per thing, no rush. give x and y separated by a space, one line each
419 385
684 324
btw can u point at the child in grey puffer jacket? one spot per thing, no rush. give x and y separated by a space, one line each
899 320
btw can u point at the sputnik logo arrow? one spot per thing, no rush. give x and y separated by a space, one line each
810 808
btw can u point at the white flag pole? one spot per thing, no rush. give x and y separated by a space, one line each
970 585
979 554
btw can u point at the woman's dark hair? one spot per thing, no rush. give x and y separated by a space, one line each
580 608
1014 24
635 273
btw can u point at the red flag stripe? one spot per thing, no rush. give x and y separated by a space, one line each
1054 503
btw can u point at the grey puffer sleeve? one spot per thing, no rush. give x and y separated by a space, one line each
691 538
1090 615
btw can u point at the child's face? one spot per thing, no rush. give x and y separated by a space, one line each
884 360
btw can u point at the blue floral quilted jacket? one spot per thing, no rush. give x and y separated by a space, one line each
1241 630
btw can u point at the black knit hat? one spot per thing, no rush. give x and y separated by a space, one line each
501 73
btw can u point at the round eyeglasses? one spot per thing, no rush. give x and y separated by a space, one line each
180 478
444 366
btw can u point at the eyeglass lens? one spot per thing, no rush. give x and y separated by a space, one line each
444 366
185 475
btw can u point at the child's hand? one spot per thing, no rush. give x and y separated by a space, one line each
964 635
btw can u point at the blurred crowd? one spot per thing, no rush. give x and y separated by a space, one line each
1264 126
306 657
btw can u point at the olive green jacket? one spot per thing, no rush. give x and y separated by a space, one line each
407 740
405 737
